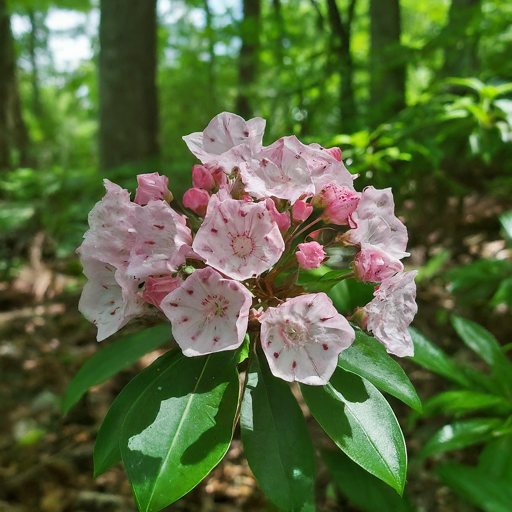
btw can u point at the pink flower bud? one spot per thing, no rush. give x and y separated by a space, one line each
158 288
310 255
373 265
202 177
334 152
152 187
301 211
281 219
221 180
339 202
197 200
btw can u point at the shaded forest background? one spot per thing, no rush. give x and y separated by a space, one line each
417 93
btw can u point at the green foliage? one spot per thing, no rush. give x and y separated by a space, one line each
112 359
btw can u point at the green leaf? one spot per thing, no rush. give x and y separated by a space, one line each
368 358
482 342
106 449
506 222
112 359
334 275
360 421
427 355
463 402
461 434
362 489
496 458
276 440
179 428
473 484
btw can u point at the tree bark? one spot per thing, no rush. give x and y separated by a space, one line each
33 43
5 77
128 131
248 59
341 31
461 47
387 62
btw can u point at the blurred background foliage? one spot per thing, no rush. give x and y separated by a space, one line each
417 93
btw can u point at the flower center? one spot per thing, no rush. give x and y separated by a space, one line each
215 305
296 334
242 246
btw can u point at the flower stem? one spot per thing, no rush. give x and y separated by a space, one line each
252 352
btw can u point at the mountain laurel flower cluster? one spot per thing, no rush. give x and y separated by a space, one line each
257 219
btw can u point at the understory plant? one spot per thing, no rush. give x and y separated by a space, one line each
230 275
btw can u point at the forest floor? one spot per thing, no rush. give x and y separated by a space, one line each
46 460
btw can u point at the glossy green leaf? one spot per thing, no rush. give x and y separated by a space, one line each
482 342
462 402
106 449
474 485
461 434
506 222
112 359
362 489
360 421
427 355
496 458
368 358
179 428
276 440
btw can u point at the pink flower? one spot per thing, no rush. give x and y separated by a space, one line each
197 200
374 223
391 312
334 152
339 202
208 313
109 299
302 338
239 239
375 265
157 288
301 211
281 219
310 255
202 178
279 171
227 141
152 187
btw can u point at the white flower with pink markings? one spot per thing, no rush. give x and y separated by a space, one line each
238 238
303 337
391 312
208 313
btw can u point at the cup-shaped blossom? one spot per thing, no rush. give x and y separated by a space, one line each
279 171
373 265
152 187
238 238
373 222
197 200
208 313
109 299
281 219
202 177
157 288
391 311
310 255
334 152
301 211
303 337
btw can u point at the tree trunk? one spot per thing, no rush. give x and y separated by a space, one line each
387 62
461 46
248 60
33 43
5 78
127 86
341 31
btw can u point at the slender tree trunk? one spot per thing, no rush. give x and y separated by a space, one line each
387 63
461 45
127 85
341 31
33 43
5 78
248 60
